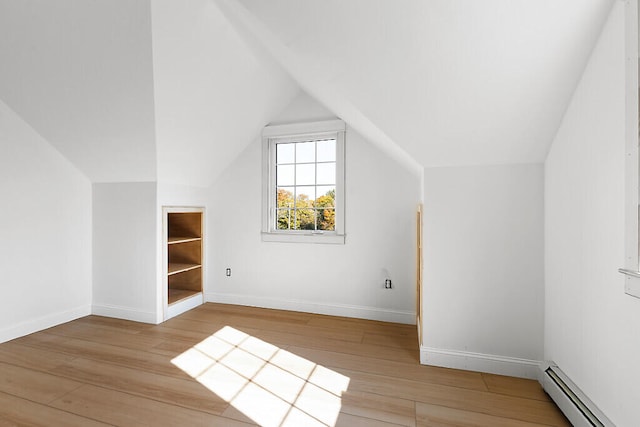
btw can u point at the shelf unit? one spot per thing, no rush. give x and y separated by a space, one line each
184 259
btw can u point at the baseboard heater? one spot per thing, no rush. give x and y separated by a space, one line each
575 405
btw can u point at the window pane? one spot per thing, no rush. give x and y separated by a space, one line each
306 192
326 197
326 150
285 197
285 153
305 196
305 174
306 219
306 152
326 173
326 219
285 175
284 219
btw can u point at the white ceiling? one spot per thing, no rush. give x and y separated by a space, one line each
144 90
79 72
451 82
213 93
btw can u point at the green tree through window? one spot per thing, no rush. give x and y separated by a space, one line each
302 213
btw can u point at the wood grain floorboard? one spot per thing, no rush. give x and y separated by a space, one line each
226 365
441 416
124 409
410 371
41 360
37 386
376 407
15 411
500 405
182 392
105 336
408 355
389 340
514 387
118 355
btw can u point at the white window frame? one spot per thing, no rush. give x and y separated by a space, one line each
631 266
271 135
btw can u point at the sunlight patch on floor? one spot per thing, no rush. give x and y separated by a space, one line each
270 385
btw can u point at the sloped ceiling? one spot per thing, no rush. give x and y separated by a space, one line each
144 90
214 90
138 90
80 73
450 82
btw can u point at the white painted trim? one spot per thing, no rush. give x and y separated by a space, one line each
480 362
126 313
330 238
360 312
36 325
183 305
632 180
270 137
305 128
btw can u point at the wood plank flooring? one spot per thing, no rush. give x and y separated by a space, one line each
235 366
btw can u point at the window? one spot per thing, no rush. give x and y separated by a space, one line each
303 194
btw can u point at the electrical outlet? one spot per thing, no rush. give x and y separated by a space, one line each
387 284
228 272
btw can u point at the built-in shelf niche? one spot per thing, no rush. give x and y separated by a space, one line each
184 259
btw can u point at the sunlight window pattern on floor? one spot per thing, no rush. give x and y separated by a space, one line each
271 386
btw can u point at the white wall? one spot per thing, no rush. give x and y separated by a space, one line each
125 244
592 329
45 229
483 268
381 198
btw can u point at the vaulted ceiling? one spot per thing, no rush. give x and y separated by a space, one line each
80 73
146 90
452 82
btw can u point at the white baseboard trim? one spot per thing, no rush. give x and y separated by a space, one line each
360 312
30 326
185 305
125 313
480 362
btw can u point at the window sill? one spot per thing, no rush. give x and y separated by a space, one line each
632 282
335 239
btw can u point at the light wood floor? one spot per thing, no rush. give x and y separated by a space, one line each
302 369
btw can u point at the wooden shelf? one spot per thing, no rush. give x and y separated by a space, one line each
175 267
184 260
176 295
174 240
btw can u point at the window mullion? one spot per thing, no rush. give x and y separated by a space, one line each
295 185
315 185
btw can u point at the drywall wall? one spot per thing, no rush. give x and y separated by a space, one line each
483 268
45 224
381 198
125 244
592 328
